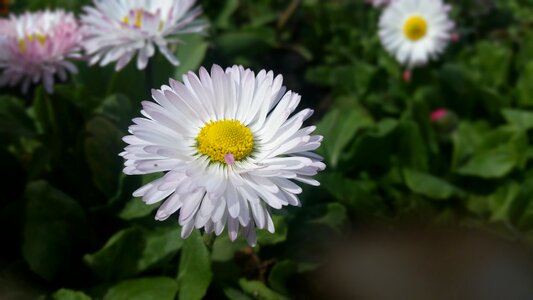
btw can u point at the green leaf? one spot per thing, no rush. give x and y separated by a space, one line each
225 16
66 294
520 118
155 288
521 210
458 79
280 274
489 164
102 146
375 146
501 202
358 195
119 257
14 120
44 113
160 243
412 147
465 140
235 294
489 63
54 227
334 218
191 54
429 185
339 128
136 208
499 152
194 275
224 249
117 108
252 41
266 238
524 88
259 290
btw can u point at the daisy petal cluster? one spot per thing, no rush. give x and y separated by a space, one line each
116 30
231 148
36 47
414 31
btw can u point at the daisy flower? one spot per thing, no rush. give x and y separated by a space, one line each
36 47
415 30
229 149
115 30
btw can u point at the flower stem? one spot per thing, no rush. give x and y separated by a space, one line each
148 76
209 240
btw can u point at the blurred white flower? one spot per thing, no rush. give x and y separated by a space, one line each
229 148
115 30
415 30
35 47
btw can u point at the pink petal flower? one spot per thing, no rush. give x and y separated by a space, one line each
35 47
116 30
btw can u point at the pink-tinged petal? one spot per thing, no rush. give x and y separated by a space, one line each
116 30
236 190
34 47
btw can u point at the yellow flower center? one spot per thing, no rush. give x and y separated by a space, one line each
30 38
415 28
138 19
220 138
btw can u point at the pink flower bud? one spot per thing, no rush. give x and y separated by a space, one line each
455 37
438 114
407 75
230 160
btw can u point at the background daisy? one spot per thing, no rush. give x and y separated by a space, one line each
116 30
36 47
415 30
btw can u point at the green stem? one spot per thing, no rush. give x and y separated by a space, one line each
149 76
209 240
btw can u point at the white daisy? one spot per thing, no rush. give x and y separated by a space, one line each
229 148
37 46
116 30
415 30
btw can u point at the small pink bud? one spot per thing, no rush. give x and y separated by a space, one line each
229 159
455 37
438 114
407 75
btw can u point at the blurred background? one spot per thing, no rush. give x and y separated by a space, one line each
409 207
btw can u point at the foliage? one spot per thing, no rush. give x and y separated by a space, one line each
67 210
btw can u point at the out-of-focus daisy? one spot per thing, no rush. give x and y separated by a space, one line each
229 147
415 30
35 47
115 30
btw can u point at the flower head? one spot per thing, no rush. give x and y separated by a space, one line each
229 147
116 30
444 120
415 30
438 114
36 46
